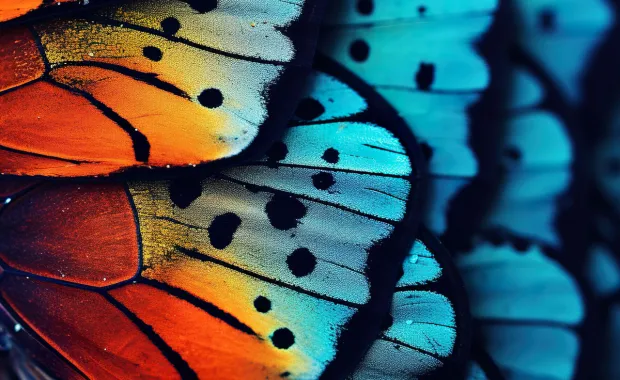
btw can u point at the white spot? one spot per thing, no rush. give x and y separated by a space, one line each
409 321
105 279
414 259
18 327
7 201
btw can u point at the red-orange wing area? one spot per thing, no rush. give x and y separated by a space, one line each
20 59
12 9
90 332
59 127
79 234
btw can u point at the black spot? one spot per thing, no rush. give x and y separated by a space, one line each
277 152
184 191
521 244
284 211
211 98
262 304
202 6
425 76
331 156
495 237
323 180
427 151
285 374
365 7
513 153
421 10
388 321
283 338
152 53
359 50
170 25
546 19
301 262
309 109
613 166
222 230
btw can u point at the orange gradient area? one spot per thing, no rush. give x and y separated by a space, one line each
91 333
180 131
230 291
20 60
82 234
54 130
11 9
223 287
211 347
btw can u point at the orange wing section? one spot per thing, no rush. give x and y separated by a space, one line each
211 347
11 9
90 332
20 60
80 234
99 87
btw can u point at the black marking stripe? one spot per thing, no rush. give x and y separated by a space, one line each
75 162
141 144
268 189
208 307
114 23
401 343
206 258
173 357
148 78
325 168
385 149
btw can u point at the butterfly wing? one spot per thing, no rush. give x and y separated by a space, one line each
11 10
427 332
423 59
150 84
561 37
529 308
277 267
538 155
482 367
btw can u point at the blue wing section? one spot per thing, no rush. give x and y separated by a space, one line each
528 308
424 59
427 332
